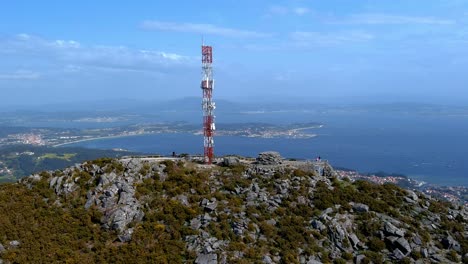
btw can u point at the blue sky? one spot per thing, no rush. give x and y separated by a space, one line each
393 50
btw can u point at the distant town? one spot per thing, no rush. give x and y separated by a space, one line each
63 136
455 194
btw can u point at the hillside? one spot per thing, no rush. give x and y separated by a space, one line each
18 161
268 210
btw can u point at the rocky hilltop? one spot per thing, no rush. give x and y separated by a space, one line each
264 210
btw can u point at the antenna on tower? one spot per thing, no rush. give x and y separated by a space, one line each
208 105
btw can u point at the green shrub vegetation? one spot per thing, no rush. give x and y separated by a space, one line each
57 232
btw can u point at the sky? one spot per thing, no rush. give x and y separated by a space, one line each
79 51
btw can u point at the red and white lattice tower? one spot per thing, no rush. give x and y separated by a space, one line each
208 105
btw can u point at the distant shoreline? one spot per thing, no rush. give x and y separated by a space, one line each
99 138
305 128
142 134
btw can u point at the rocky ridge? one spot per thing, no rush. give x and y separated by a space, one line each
270 210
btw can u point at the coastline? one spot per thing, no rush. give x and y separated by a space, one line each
142 134
305 128
99 138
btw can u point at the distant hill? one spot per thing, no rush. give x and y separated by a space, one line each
269 210
189 109
139 107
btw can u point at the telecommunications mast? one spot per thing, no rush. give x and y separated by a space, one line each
208 105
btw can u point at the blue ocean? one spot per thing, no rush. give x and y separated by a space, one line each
431 148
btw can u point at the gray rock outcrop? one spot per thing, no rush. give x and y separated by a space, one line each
207 259
14 244
115 198
269 158
111 191
126 235
360 208
231 161
318 225
403 245
209 205
359 259
392 230
354 240
450 243
267 260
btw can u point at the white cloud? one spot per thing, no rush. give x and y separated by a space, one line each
70 68
308 38
66 44
305 40
205 29
378 19
278 10
301 11
20 75
284 10
71 56
284 76
171 56
23 36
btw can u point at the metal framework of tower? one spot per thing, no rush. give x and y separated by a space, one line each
208 105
